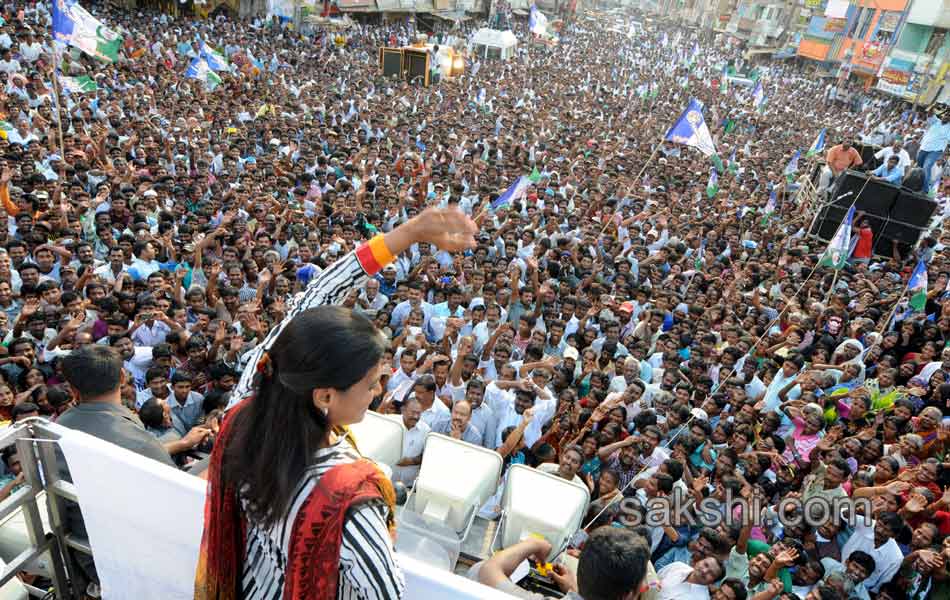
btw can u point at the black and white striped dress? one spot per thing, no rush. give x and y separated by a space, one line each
368 569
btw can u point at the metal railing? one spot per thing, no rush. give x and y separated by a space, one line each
36 449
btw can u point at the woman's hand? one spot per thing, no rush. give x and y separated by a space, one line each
448 229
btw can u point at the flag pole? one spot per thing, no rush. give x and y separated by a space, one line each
834 281
635 180
59 106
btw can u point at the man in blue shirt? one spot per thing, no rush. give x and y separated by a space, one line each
890 171
933 145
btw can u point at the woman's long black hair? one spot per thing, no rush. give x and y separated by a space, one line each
275 437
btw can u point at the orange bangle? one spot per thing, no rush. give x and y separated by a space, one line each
374 255
381 251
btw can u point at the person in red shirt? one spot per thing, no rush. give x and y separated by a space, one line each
862 250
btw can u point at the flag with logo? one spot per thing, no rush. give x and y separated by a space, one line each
216 61
78 85
537 22
758 95
514 192
200 70
839 248
712 186
917 286
535 176
724 81
769 207
728 126
733 163
792 167
690 129
74 26
818 145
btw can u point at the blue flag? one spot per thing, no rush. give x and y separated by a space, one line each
917 286
74 26
537 22
818 145
690 129
839 248
758 95
514 192
199 69
215 60
792 167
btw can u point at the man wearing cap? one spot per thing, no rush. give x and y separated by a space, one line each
387 281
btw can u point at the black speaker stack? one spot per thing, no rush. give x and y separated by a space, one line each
895 214
411 64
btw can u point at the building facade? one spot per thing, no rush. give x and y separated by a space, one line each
916 66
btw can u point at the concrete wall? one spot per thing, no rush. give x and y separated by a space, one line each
930 12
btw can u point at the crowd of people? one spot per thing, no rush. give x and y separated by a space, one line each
621 323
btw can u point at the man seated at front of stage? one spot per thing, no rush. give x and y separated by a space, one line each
890 171
613 564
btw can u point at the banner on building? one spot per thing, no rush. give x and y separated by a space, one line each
896 76
835 25
889 20
902 83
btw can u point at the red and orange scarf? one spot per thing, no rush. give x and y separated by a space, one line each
314 553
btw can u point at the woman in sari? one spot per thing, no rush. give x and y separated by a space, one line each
293 510
927 426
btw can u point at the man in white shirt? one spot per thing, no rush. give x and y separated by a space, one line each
877 541
433 409
896 148
483 418
510 408
30 49
679 581
370 300
8 64
571 461
136 359
113 268
413 443
403 309
631 373
459 424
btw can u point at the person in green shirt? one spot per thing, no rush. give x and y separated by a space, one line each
750 560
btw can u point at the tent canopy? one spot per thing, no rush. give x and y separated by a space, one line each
493 38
